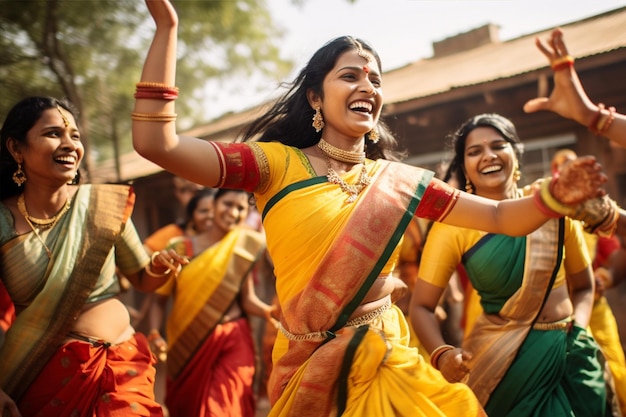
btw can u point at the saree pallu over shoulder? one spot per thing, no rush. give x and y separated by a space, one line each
89 230
205 289
495 346
339 284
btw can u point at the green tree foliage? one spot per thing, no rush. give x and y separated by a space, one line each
91 51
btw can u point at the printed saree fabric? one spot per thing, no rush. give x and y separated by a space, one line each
326 257
204 290
78 255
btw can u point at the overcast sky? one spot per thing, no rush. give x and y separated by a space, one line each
403 31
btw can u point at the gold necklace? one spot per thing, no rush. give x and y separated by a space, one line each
353 190
339 154
21 205
44 223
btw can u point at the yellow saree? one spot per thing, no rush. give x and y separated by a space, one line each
326 258
204 290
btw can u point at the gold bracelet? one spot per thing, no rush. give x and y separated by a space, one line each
149 270
551 202
436 354
154 117
149 84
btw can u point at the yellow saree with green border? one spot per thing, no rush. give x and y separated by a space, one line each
326 258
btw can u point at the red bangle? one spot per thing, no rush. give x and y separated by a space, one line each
563 62
543 208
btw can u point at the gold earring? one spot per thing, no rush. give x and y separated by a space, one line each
517 175
468 186
374 136
318 119
19 177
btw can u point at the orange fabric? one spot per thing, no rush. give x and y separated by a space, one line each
218 380
86 381
159 239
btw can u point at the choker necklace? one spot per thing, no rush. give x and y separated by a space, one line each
353 190
43 223
339 154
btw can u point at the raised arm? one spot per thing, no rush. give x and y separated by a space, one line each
569 98
579 181
154 116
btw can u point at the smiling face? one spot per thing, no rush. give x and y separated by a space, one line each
490 163
230 210
52 150
352 96
202 215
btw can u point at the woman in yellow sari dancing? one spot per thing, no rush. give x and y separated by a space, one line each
334 210
211 357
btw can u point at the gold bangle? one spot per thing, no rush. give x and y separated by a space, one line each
154 117
156 274
436 354
551 202
149 84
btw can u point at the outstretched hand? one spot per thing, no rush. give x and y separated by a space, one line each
579 180
568 98
162 12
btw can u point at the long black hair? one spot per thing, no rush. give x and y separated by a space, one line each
20 119
289 119
504 126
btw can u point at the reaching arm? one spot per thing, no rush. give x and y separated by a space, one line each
569 98
154 125
579 181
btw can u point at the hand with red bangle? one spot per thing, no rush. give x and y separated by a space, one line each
569 98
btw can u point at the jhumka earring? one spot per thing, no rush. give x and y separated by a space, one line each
517 175
468 186
318 120
374 136
19 177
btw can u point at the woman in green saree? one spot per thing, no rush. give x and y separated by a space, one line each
71 350
528 354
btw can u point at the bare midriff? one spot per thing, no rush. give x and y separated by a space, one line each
377 296
107 320
558 307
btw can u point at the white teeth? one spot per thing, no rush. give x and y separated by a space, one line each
492 168
361 105
66 159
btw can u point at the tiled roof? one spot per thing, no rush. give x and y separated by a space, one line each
427 77
598 34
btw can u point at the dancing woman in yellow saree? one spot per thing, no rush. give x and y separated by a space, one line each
334 209
211 355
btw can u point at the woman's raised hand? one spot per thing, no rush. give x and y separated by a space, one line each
579 180
568 98
162 12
